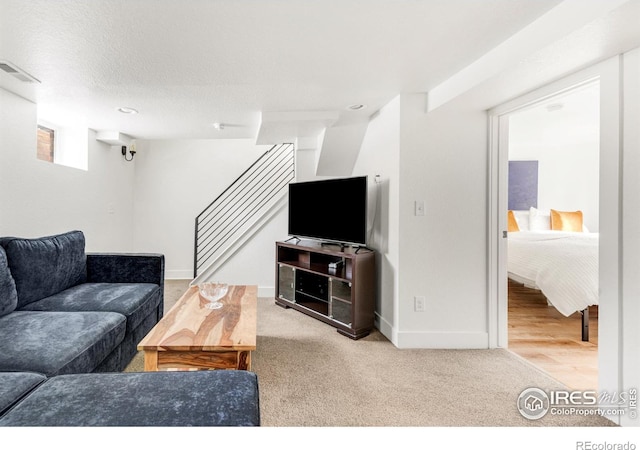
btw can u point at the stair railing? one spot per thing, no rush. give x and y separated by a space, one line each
241 202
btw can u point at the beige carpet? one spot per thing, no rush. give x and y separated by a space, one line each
309 375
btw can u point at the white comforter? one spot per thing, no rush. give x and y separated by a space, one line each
564 266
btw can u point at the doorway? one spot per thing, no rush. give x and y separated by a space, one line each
609 323
618 243
553 153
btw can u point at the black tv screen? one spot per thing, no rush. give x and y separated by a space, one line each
333 210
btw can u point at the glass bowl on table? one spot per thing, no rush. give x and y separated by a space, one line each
213 292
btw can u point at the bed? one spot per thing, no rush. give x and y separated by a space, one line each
562 265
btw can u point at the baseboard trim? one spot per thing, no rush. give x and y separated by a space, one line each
178 275
266 291
442 340
384 327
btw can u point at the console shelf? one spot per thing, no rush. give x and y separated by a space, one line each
328 282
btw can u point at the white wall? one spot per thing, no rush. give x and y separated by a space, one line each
38 198
439 158
174 181
255 262
566 144
443 254
380 155
71 146
630 307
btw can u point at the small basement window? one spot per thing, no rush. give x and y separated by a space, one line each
46 143
62 144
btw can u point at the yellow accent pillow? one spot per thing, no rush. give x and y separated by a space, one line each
512 224
566 220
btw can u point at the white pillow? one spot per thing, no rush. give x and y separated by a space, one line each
522 218
539 220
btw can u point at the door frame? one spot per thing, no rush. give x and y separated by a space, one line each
607 73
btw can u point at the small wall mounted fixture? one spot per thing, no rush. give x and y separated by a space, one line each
132 152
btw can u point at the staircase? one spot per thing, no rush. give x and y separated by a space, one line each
236 214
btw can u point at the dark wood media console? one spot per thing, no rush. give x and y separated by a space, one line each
333 284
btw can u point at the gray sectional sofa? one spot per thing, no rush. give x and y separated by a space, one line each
64 311
69 319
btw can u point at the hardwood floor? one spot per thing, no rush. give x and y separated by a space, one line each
551 341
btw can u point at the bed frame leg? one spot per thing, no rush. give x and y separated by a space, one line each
585 324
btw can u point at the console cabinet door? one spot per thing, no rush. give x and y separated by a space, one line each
341 301
286 282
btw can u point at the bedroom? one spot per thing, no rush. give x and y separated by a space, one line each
554 165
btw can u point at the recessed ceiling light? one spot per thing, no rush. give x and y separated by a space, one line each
127 110
218 126
356 107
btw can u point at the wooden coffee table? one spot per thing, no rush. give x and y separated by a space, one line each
190 336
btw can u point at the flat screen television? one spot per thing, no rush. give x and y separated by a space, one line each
332 210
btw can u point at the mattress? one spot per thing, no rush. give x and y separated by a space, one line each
563 265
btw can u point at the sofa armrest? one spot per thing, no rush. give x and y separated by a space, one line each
125 268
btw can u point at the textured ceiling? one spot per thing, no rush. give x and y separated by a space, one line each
186 64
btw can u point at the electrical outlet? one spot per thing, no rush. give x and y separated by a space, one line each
419 303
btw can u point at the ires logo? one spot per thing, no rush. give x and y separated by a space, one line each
574 398
629 399
534 403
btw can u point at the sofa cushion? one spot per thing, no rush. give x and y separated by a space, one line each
133 300
160 399
45 266
54 343
15 385
8 293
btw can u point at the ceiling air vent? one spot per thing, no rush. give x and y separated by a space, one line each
17 72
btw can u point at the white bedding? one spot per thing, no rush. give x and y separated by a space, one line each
564 266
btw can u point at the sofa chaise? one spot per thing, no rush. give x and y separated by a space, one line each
135 399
